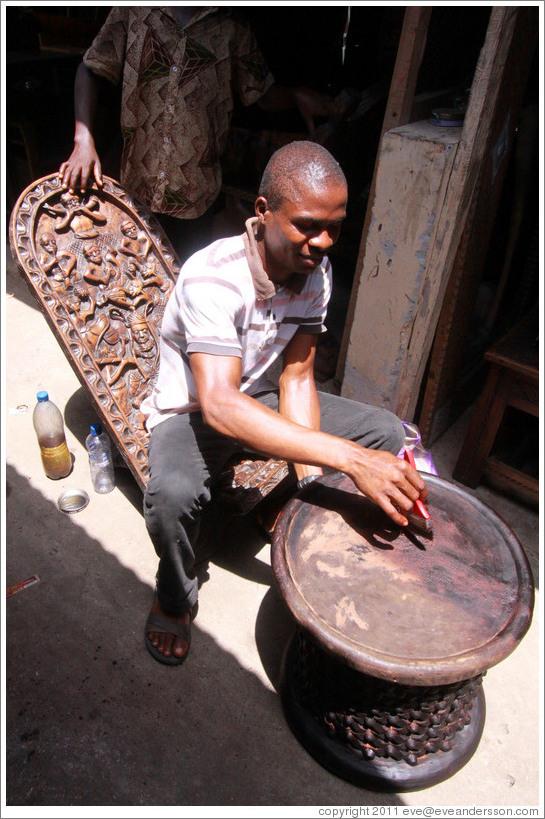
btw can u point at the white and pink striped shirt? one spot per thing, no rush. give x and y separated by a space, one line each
225 304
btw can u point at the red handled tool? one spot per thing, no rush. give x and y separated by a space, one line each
419 517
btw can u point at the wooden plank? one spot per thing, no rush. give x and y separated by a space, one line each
410 52
518 349
415 165
448 389
512 480
484 136
371 351
412 43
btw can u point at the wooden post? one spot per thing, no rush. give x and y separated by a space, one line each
416 163
394 345
410 52
450 380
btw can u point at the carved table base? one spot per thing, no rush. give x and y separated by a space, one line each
375 733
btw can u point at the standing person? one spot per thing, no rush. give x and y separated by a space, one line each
239 305
180 67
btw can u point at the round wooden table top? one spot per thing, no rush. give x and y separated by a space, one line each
395 605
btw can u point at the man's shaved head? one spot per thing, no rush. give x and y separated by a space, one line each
300 164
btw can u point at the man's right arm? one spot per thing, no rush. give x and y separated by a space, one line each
388 481
83 165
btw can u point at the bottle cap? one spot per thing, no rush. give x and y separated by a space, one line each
42 395
73 500
96 429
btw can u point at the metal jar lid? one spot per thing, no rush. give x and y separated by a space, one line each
73 500
447 117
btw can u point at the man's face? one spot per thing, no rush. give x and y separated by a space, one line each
300 233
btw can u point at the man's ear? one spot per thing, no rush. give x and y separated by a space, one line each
261 207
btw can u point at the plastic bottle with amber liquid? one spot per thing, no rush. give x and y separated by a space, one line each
49 426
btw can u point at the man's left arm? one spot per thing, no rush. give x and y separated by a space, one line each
298 399
254 83
309 102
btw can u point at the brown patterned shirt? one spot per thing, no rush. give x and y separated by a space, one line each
177 98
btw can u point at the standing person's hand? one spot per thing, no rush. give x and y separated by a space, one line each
311 104
82 166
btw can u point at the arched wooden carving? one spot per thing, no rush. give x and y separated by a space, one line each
101 269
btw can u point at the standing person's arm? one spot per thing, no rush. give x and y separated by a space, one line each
258 85
83 165
102 62
309 102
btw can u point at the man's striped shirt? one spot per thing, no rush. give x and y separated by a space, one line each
225 304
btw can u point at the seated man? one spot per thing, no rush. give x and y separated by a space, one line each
238 305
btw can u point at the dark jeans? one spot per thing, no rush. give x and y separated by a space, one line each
185 458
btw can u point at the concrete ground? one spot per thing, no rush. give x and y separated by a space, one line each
91 719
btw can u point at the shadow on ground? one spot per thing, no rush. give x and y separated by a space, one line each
92 719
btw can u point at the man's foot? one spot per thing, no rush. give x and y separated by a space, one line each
168 638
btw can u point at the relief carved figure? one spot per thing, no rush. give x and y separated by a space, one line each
127 364
51 259
109 346
144 345
132 269
74 214
133 244
151 276
146 349
128 294
100 269
81 304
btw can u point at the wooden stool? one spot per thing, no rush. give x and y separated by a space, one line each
513 381
382 682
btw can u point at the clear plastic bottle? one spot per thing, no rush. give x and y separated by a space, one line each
101 465
49 426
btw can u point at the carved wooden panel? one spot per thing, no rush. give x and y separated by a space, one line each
245 482
101 269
